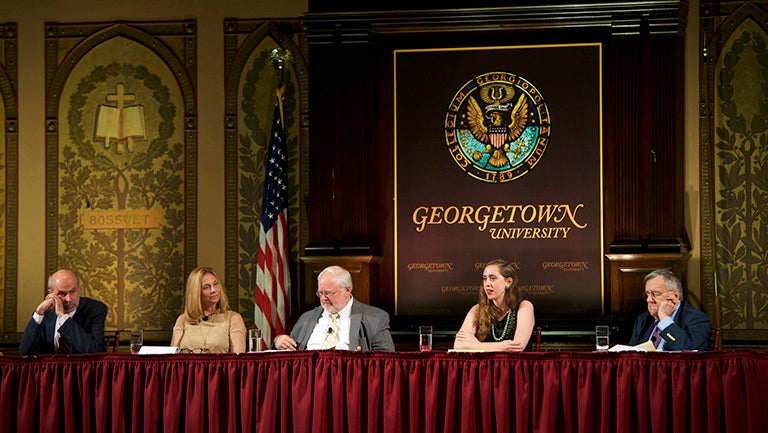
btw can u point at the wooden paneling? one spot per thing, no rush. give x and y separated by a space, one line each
628 272
363 269
352 118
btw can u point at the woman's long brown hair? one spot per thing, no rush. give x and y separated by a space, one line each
488 312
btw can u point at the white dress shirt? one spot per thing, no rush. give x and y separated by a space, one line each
59 321
324 323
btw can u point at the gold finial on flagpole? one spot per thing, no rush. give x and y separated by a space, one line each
278 57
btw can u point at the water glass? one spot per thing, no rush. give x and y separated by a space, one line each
425 338
254 340
137 340
602 340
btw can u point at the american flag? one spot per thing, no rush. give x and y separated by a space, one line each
273 278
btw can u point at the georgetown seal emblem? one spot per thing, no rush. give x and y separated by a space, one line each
497 127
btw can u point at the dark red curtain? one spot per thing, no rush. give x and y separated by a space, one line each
386 392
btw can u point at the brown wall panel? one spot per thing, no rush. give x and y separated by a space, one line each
342 145
352 119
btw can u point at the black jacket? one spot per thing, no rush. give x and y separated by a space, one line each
689 331
82 333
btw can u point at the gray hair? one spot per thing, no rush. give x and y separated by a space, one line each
340 275
671 281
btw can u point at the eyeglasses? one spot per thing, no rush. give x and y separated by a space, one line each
653 295
320 294
196 350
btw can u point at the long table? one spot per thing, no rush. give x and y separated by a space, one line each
386 392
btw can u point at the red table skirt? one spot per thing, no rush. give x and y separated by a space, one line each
386 392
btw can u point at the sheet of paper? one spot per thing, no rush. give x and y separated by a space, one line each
647 346
642 347
158 350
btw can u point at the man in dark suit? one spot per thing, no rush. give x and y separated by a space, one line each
670 323
340 322
65 322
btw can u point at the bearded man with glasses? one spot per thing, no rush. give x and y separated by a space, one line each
340 321
670 323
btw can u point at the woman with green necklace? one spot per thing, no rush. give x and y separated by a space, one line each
501 320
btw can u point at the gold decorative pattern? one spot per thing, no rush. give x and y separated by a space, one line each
251 83
8 175
735 170
121 153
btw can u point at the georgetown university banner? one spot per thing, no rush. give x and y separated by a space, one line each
498 154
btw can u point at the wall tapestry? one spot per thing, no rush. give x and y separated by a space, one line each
251 82
734 149
121 125
8 175
499 155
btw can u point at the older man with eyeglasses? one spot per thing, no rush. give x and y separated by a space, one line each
340 322
670 323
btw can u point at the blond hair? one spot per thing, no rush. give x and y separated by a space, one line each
193 306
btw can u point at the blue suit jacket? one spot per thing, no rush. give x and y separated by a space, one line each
82 333
689 331
368 328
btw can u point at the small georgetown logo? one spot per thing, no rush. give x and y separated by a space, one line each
497 127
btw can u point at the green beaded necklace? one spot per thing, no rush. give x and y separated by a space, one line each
503 333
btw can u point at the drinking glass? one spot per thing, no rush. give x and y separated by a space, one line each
602 341
425 338
137 340
254 340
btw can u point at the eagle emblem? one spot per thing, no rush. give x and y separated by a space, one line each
497 126
506 121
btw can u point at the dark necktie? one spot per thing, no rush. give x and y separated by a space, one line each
656 337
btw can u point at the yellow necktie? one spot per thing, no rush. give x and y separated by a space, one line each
333 332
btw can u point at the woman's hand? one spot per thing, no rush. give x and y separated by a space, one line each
512 346
466 336
466 340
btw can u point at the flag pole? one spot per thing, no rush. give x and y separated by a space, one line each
273 286
278 58
716 306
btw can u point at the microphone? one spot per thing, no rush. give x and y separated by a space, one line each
205 318
330 330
